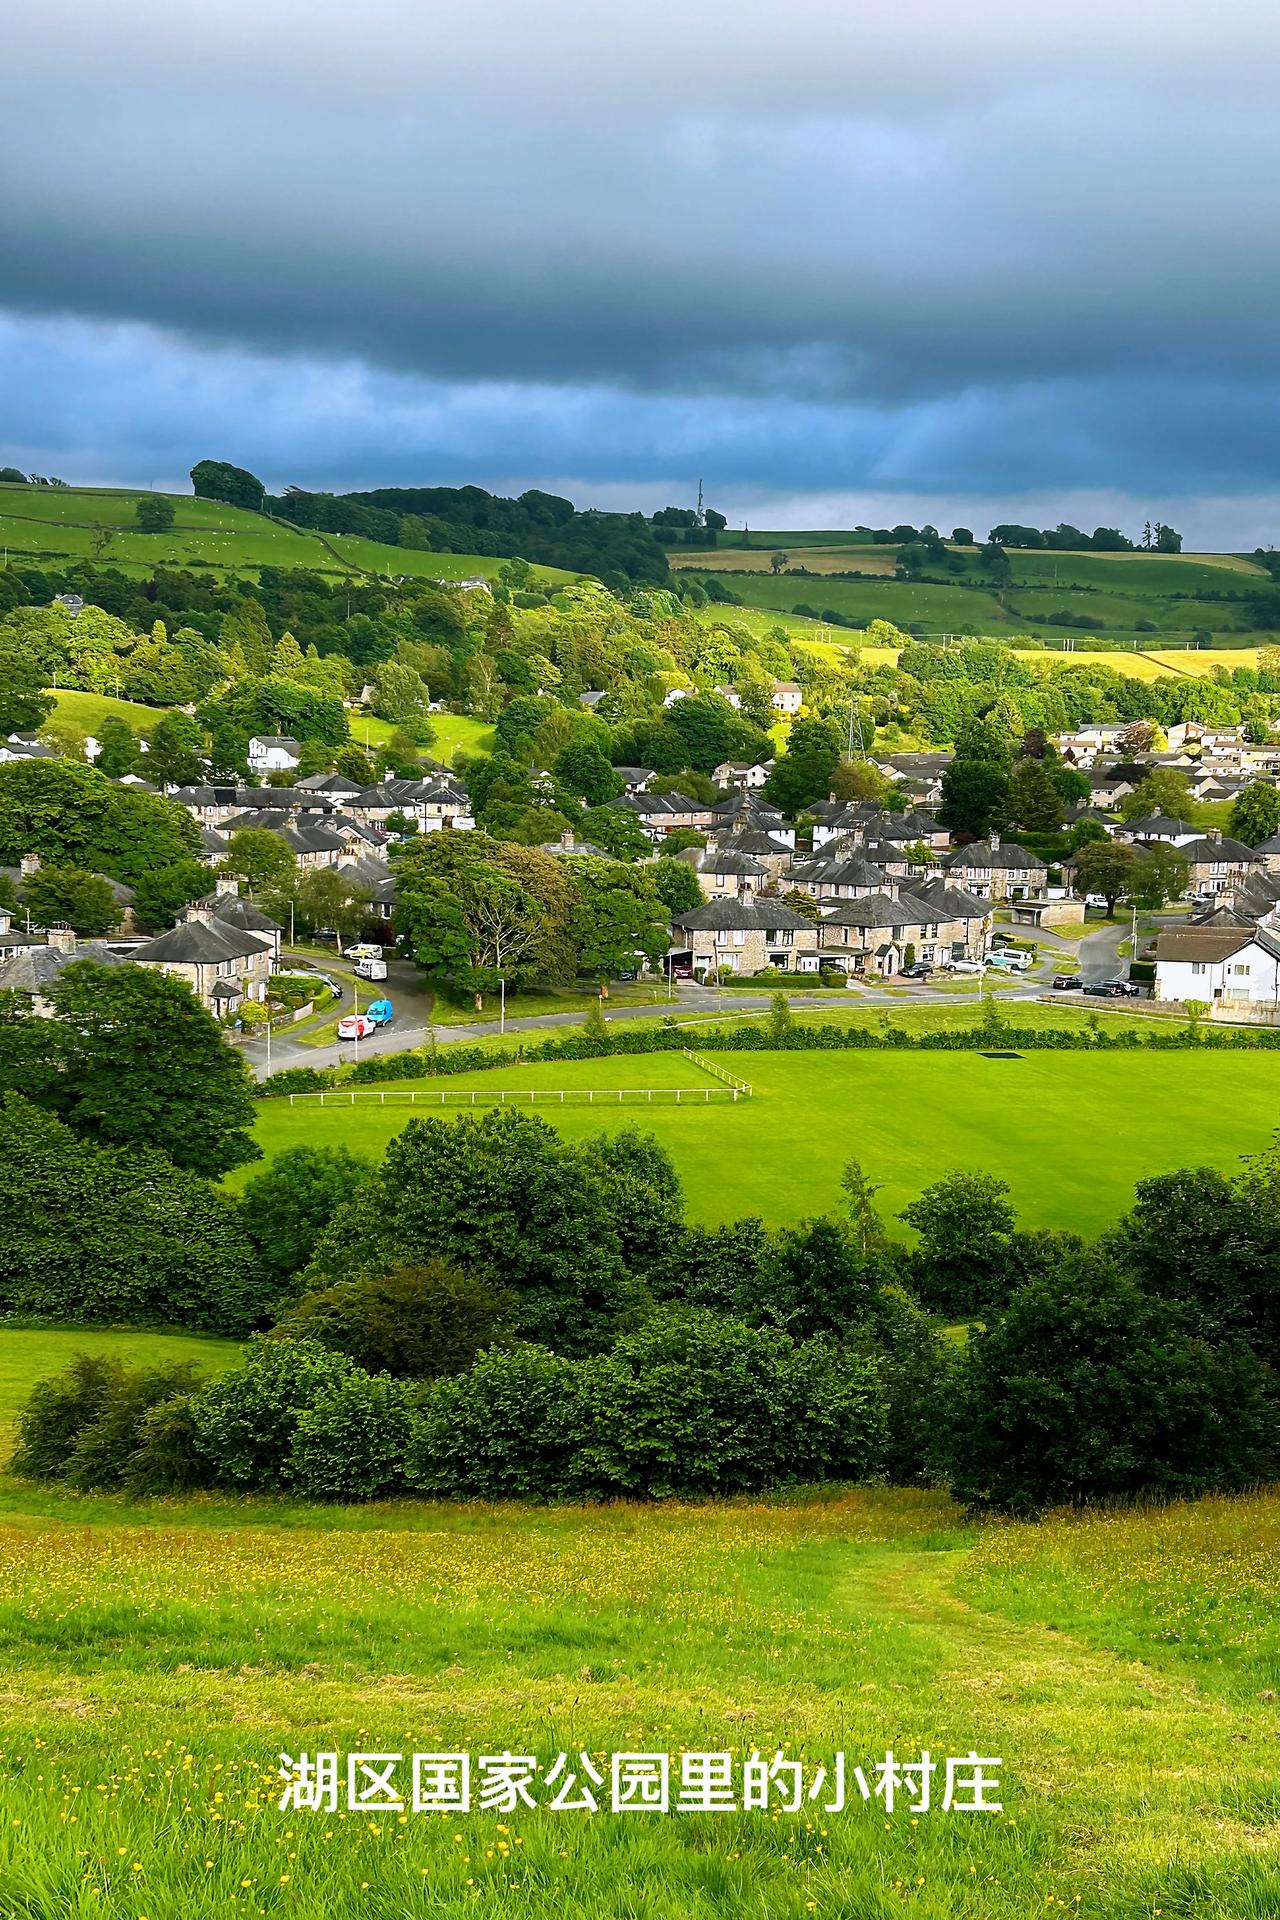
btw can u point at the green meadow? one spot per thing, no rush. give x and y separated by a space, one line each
61 524
160 1658
1070 1132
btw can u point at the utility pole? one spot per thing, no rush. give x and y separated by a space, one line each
502 1003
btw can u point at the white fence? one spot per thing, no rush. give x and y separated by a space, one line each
527 1096
743 1087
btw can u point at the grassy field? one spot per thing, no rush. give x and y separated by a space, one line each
160 1658
454 733
39 524
30 1354
1112 593
89 710
1070 1132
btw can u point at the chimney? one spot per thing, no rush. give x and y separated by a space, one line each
566 839
995 841
198 916
1215 834
30 864
227 888
61 939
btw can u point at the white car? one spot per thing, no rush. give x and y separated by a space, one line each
362 952
966 966
356 1026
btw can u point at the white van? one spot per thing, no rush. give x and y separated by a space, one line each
369 968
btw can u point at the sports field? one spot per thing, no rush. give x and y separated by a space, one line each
1070 1132
160 1658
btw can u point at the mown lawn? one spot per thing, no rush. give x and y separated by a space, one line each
159 1659
28 1354
1070 1132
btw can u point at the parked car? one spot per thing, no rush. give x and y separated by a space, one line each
1011 960
381 1012
1068 982
919 970
356 1026
1096 900
1107 989
966 966
682 970
369 969
362 951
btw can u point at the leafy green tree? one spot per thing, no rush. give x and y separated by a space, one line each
350 1443
1087 1388
322 898
582 768
261 858
1162 790
400 695
803 774
154 513
975 797
1255 813
24 705
617 832
677 886
134 1043
118 752
176 751
860 1203
116 1234
1159 876
1034 802
289 1204
1105 867
218 480
1086 832
245 1419
160 897
502 1198
960 1265
72 897
474 911
620 916
73 816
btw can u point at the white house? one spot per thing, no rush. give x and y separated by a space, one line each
274 753
1238 965
787 696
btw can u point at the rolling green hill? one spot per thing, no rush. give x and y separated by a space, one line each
1150 599
55 525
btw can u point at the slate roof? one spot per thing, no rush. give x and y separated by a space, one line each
1204 849
37 969
1208 945
725 916
200 943
982 857
879 910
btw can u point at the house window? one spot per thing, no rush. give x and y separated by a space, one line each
1197 966
786 937
1241 972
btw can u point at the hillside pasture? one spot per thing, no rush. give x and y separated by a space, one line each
1070 1132
161 1656
57 525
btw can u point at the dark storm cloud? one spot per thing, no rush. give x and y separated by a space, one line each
802 249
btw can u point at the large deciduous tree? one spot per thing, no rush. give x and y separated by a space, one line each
144 1065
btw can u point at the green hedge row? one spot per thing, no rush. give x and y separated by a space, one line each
665 1037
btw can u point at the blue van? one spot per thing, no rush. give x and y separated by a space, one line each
380 1012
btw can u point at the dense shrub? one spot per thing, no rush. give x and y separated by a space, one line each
57 1412
105 1448
960 1266
1089 1388
349 1444
694 1403
245 1420
506 1430
417 1322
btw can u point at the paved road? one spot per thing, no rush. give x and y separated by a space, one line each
690 1002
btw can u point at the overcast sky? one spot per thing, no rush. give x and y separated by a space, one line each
843 262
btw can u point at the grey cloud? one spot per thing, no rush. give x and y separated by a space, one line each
813 246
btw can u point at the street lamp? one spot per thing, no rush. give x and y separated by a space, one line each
502 1003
